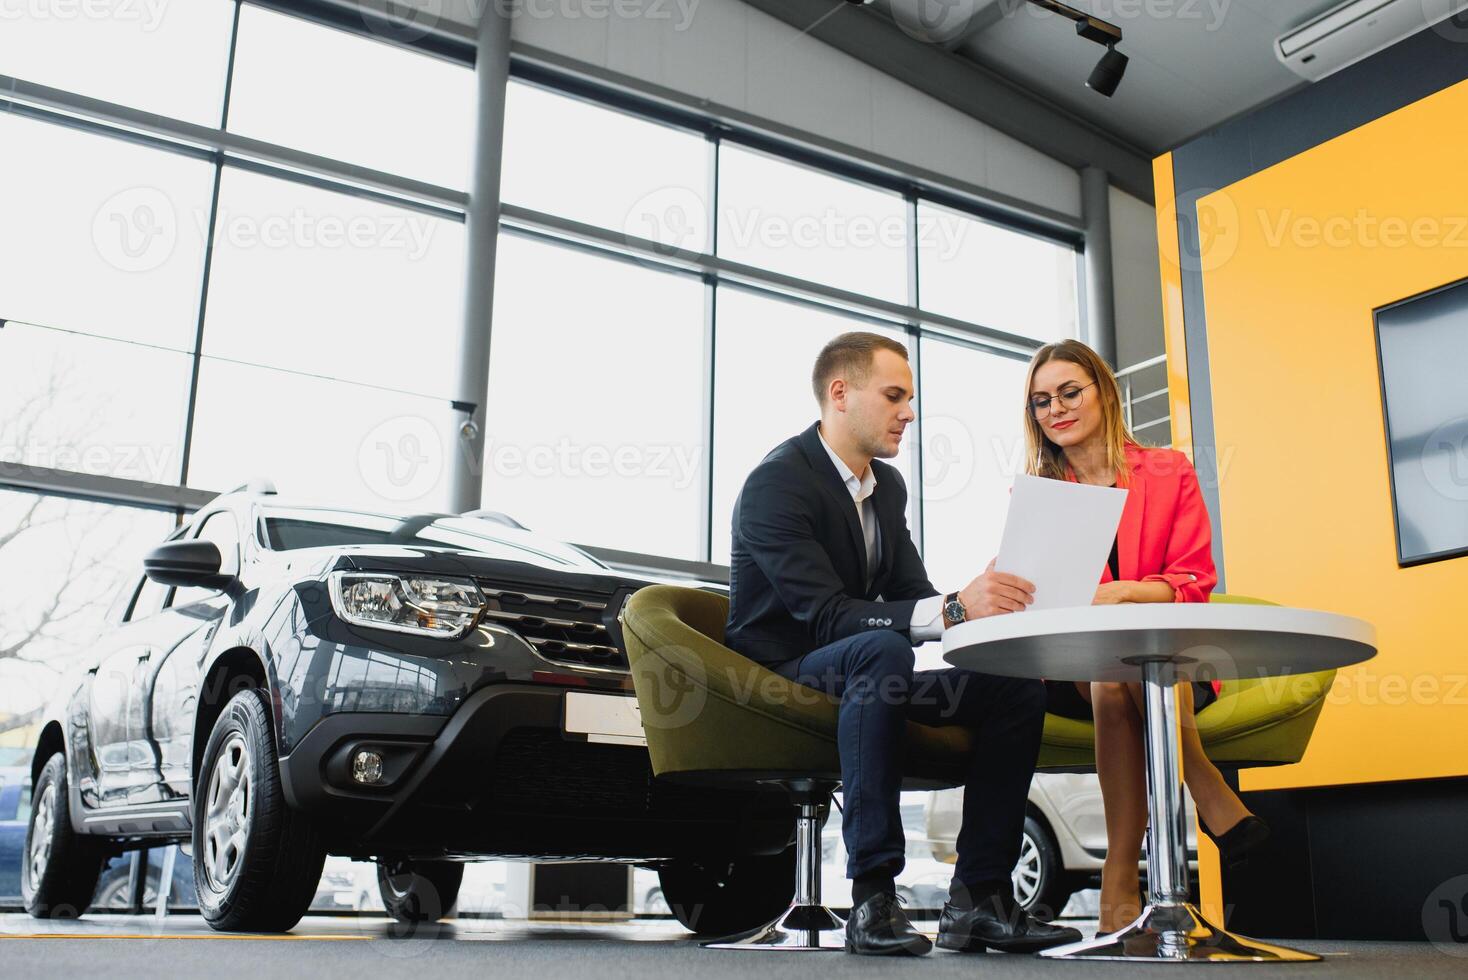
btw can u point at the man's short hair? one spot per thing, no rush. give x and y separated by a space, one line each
850 356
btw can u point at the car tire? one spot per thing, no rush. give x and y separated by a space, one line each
724 896
1042 886
419 891
257 862
59 867
112 894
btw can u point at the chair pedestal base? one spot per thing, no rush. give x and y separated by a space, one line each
1176 934
802 927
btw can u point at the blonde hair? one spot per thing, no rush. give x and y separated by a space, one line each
1043 457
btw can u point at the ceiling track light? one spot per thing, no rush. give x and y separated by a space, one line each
1109 70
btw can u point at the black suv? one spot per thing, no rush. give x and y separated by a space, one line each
283 682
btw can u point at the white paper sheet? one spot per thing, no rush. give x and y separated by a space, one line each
1058 535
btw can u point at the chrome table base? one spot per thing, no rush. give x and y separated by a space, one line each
1176 934
1169 930
802 927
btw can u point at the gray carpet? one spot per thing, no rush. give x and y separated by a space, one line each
114 947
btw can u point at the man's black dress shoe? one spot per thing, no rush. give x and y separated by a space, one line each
1235 844
879 927
997 922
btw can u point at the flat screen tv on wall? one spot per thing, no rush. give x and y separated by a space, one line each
1422 349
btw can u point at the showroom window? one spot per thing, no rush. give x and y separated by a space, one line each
817 251
975 270
300 327
568 157
352 98
62 562
98 50
792 219
602 442
762 389
101 236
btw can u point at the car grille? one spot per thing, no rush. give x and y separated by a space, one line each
564 626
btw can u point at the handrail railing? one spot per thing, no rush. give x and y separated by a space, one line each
1126 378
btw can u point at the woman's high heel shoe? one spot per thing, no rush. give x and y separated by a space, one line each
1235 843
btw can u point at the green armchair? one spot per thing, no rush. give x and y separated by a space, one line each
713 716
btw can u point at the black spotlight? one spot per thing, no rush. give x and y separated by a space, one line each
1108 72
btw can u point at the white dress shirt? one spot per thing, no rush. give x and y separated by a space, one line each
927 615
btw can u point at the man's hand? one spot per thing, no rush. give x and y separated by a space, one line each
1113 593
995 593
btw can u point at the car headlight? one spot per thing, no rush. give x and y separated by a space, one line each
425 605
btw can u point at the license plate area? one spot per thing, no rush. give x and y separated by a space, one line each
607 718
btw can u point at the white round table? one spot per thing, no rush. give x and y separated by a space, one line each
1161 644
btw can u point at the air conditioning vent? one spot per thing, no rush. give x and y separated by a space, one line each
1353 31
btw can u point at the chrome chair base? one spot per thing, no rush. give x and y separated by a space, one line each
1176 934
801 928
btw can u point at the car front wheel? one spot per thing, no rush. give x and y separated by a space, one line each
60 867
726 896
256 862
419 891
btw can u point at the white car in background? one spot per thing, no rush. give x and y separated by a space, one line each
1064 843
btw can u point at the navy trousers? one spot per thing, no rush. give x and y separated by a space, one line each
872 673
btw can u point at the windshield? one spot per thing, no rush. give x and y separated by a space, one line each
288 530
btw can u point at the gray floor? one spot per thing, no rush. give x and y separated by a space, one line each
109 947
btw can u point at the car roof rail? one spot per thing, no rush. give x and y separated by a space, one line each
258 484
497 517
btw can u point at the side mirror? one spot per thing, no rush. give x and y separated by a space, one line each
187 563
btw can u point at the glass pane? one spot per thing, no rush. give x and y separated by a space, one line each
766 349
352 98
168 58
100 235
333 284
984 273
577 160
91 405
795 220
339 443
61 563
595 425
221 529
973 446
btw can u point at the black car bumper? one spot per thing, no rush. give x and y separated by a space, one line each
501 777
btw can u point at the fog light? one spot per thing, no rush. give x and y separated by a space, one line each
367 767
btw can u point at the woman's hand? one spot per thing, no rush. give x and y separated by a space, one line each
1113 593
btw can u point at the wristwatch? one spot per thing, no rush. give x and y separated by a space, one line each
953 611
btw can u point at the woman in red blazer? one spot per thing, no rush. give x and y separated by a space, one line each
1075 430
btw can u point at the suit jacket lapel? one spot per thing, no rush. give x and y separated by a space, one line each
835 488
884 505
1129 533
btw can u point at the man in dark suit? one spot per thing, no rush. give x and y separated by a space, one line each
827 589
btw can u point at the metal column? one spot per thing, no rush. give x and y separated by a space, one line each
1100 288
492 76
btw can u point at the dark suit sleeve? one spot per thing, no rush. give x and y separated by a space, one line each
776 521
909 579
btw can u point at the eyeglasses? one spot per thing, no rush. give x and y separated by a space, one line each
1069 398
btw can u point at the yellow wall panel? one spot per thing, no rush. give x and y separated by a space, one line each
1173 335
1295 259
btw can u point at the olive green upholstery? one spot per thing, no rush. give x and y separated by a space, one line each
710 713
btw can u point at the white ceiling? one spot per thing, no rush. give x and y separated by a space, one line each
1194 63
